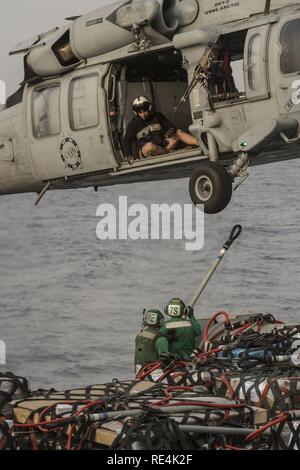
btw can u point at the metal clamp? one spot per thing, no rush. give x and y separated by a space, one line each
289 141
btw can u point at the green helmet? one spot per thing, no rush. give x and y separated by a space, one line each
175 308
153 318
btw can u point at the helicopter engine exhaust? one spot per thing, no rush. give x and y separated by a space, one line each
101 32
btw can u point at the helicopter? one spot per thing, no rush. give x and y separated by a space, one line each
227 71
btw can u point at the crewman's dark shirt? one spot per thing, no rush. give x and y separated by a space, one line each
142 131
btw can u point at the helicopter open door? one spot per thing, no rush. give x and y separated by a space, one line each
158 75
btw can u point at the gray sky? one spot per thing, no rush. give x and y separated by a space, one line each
21 20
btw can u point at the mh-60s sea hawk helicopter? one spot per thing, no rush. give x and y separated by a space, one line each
225 70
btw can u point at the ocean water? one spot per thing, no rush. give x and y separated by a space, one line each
71 304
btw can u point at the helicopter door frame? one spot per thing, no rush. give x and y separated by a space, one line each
115 87
286 94
256 59
161 82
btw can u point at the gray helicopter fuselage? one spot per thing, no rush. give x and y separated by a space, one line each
65 127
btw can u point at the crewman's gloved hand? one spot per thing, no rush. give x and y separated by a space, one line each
189 311
130 160
170 133
166 358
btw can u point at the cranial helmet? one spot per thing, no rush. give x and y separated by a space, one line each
175 308
141 103
153 318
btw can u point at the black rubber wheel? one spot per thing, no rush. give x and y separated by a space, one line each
211 185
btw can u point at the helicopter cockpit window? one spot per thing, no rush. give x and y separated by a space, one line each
46 115
290 40
84 110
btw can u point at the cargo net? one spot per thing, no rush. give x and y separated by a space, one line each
12 387
136 415
273 390
240 391
286 435
6 439
261 368
158 432
256 361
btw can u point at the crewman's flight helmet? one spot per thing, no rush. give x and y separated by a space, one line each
153 317
141 103
175 308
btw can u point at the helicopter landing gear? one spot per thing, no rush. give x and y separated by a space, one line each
240 166
211 185
240 169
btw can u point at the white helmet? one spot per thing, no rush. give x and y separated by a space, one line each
141 103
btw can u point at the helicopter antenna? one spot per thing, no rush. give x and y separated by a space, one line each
267 7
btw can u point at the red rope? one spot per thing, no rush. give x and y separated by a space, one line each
259 431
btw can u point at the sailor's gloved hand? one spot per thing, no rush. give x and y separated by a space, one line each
166 358
189 311
170 133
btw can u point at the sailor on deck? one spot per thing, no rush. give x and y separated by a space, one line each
182 330
149 343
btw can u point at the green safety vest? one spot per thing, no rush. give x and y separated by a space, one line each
148 345
181 334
